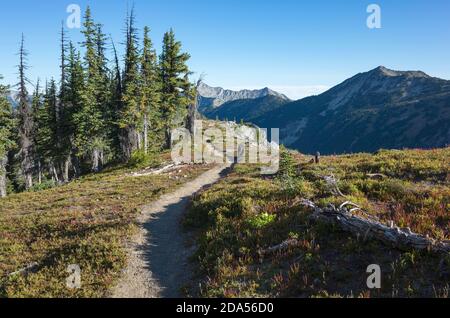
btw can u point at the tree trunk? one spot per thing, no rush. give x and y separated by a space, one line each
145 133
76 166
192 116
55 173
139 140
27 166
366 227
168 137
3 162
129 142
102 159
28 181
66 169
95 160
124 144
39 172
26 121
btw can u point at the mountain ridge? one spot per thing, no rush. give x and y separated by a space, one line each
213 97
246 109
380 108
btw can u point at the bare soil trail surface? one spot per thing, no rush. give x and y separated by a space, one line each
158 264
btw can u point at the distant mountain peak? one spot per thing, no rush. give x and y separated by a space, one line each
380 108
383 82
384 71
213 97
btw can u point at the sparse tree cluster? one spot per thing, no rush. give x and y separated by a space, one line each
6 136
98 111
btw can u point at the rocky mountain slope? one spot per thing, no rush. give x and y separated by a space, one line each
381 108
211 98
246 109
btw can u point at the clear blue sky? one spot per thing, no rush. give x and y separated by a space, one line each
292 45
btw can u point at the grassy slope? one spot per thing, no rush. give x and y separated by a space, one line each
246 213
85 222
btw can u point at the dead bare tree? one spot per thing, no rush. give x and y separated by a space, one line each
193 107
25 120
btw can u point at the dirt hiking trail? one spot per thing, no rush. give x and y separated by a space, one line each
158 264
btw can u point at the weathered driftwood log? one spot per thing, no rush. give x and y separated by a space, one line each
376 176
26 270
167 168
331 182
402 238
280 247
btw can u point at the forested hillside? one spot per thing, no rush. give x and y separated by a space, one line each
99 110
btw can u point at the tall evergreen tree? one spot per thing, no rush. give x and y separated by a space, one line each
63 68
75 97
47 133
63 116
130 116
103 92
176 92
25 120
116 96
89 121
7 143
96 109
150 91
36 106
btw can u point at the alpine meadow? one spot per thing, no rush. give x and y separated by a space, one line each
224 155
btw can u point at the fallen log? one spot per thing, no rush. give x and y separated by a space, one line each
376 176
402 238
281 247
26 270
167 168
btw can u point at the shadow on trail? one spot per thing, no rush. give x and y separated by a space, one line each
166 252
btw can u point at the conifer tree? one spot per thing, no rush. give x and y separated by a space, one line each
150 91
25 120
96 111
103 81
7 143
176 90
47 133
130 116
63 145
115 105
103 97
36 106
89 121
76 85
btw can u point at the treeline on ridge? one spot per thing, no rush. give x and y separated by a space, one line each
99 111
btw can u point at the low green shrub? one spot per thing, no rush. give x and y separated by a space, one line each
44 185
261 220
140 159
